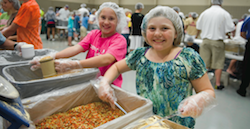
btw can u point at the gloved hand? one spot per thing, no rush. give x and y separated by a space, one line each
106 93
18 48
196 104
35 62
63 65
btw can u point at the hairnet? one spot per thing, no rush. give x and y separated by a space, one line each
217 2
194 15
83 5
71 13
177 9
244 16
127 10
93 10
235 21
50 8
122 22
16 4
190 39
139 6
88 9
85 14
168 13
77 12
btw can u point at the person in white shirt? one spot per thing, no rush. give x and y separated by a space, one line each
214 23
63 13
82 10
62 17
92 20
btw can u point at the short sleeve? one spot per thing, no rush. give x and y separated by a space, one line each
198 67
85 43
199 22
23 16
229 23
134 58
245 25
118 47
60 11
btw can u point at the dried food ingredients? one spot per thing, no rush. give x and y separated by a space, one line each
85 117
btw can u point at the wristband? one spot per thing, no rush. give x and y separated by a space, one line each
15 45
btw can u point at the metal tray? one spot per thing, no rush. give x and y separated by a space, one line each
30 83
9 57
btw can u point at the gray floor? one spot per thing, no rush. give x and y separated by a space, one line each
230 113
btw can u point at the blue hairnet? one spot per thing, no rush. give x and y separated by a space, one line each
16 4
217 2
139 6
168 13
122 20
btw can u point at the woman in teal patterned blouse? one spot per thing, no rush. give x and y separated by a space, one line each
165 73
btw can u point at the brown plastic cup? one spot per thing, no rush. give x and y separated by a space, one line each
48 66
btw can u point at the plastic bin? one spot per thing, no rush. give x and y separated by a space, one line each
64 99
30 83
8 57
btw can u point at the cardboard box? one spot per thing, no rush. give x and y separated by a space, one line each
235 47
64 99
137 124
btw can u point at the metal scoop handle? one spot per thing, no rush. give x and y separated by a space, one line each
120 107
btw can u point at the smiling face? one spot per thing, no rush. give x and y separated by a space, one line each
107 22
6 5
160 33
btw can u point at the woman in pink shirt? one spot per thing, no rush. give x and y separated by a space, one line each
105 46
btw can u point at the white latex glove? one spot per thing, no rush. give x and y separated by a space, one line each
196 104
18 48
64 65
106 93
35 62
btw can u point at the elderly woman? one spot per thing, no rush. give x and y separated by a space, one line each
10 8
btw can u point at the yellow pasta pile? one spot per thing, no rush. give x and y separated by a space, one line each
86 116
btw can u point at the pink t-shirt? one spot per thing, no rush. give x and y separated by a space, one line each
115 45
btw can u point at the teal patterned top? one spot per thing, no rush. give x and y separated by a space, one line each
167 84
